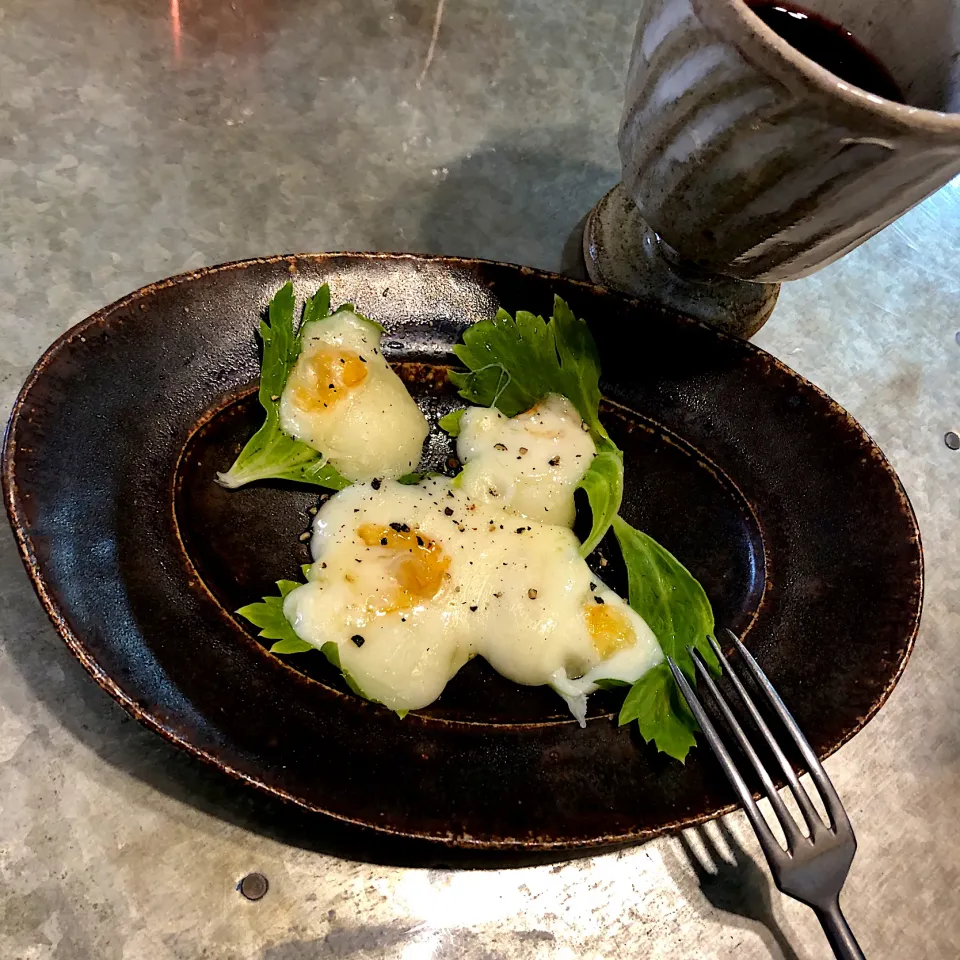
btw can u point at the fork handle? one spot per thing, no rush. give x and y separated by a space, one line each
835 926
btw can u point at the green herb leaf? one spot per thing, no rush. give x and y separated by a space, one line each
580 363
292 646
317 307
612 684
412 479
677 610
657 705
450 422
603 483
270 453
332 652
281 346
512 363
268 615
664 592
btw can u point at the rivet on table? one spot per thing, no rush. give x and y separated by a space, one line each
254 886
951 440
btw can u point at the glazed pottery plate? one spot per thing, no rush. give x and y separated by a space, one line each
768 491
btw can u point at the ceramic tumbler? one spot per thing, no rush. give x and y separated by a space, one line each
746 163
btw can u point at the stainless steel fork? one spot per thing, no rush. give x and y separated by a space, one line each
812 868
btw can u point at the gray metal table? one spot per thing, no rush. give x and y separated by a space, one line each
140 139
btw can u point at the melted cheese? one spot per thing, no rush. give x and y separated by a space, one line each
529 464
343 399
411 581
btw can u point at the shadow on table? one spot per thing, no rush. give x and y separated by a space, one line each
52 675
735 884
522 197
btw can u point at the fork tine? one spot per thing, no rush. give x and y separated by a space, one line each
790 830
768 842
838 816
807 808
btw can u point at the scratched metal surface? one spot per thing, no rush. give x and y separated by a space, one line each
139 139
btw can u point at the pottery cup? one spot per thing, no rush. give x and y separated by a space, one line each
743 160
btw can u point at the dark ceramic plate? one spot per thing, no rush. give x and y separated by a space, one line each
774 497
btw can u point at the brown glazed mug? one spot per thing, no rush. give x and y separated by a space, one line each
745 163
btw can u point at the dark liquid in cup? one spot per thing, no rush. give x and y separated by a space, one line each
832 46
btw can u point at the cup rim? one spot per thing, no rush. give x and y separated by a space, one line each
902 115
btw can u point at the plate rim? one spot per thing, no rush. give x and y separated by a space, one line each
13 502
